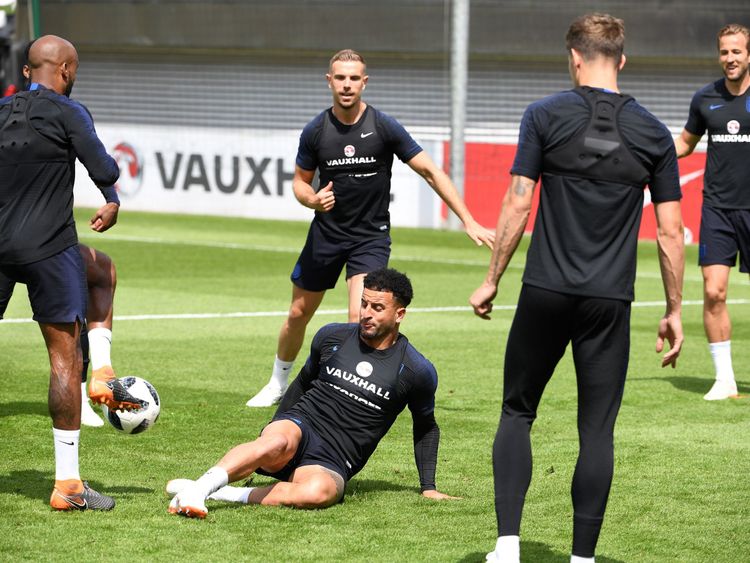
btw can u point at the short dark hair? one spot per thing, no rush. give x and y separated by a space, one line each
592 35
393 281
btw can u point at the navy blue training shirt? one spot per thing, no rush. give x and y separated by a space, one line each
586 232
351 394
726 183
41 135
358 159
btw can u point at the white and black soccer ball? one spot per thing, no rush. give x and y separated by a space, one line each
140 420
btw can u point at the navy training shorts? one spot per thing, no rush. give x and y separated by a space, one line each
56 286
321 261
312 450
724 233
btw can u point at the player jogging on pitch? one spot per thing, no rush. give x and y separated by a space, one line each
352 145
356 381
595 151
722 109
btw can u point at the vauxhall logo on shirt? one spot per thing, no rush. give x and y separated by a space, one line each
349 153
733 128
358 381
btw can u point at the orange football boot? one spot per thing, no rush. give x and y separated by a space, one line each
74 494
106 389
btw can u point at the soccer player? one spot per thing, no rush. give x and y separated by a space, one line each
595 150
42 131
356 381
96 333
352 145
723 109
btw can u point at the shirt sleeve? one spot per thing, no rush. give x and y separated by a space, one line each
403 145
528 160
102 168
665 181
307 158
695 123
426 444
425 428
421 399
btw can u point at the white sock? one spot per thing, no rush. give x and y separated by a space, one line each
212 480
281 371
576 559
232 494
508 548
721 352
84 392
100 343
66 454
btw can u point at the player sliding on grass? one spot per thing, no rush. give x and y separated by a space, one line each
356 381
352 146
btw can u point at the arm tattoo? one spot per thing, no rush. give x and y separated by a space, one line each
521 185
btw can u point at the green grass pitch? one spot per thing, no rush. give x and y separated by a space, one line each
680 491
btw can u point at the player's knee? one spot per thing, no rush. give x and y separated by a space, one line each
319 493
300 313
715 295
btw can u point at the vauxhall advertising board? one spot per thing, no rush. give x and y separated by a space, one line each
240 173
248 173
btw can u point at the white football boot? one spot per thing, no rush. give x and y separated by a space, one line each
268 396
189 502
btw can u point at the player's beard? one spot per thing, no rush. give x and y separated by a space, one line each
371 334
353 101
741 75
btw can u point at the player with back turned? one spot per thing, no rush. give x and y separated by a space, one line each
595 151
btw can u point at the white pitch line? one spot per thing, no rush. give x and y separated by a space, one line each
256 314
290 250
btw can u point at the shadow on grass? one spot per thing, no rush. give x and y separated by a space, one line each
372 485
38 485
535 551
696 385
23 407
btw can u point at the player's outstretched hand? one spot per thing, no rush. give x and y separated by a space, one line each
105 217
481 300
437 495
479 234
670 329
324 199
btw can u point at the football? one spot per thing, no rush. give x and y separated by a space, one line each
140 420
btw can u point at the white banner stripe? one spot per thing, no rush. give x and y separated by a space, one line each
256 314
